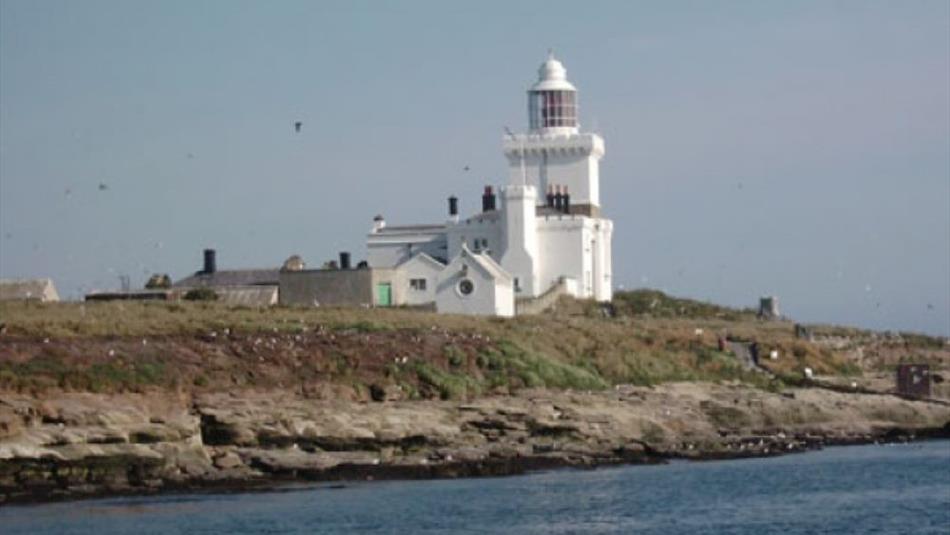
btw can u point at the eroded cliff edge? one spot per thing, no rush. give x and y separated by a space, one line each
78 445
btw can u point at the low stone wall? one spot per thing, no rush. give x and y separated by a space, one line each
543 302
323 287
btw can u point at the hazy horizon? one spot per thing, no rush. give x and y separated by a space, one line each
800 150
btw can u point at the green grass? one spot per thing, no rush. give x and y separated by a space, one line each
449 385
49 370
653 339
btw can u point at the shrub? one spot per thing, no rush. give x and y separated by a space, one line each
455 356
449 385
201 294
158 281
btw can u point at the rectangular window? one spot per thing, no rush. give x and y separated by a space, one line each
417 284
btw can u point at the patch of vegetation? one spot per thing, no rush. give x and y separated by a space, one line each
659 305
524 368
652 339
454 355
448 385
50 370
366 326
923 341
200 294
158 281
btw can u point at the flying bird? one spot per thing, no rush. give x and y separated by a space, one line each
465 168
297 126
103 186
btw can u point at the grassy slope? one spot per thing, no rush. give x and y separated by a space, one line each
653 338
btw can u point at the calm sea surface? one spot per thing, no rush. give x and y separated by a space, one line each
860 489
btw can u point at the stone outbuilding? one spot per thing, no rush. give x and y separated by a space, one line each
248 287
41 290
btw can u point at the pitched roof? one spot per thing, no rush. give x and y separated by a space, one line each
32 289
248 295
231 277
422 257
487 264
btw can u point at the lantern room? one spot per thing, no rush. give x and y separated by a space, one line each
552 101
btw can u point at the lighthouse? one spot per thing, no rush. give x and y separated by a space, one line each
554 153
548 236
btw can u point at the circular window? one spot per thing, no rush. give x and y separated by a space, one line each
466 286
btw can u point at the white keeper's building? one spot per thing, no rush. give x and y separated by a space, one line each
542 234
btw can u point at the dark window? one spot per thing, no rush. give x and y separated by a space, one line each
417 284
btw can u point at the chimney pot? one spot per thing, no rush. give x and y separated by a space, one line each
210 265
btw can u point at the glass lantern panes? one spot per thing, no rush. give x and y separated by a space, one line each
548 109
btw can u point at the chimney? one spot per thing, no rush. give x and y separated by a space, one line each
344 260
566 201
488 199
379 223
550 196
453 206
210 264
558 199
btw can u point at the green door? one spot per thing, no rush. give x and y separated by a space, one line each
384 294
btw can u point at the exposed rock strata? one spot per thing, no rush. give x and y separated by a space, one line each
75 445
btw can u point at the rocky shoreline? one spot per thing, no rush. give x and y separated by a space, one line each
81 445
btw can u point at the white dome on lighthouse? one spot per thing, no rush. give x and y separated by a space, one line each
552 76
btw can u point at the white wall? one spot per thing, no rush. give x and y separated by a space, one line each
418 268
520 238
389 249
577 247
490 296
561 251
603 283
484 226
571 161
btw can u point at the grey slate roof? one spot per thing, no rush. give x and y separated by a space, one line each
248 295
231 277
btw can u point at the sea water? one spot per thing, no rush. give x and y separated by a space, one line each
859 489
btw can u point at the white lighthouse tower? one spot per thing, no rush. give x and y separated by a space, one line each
562 164
547 237
554 153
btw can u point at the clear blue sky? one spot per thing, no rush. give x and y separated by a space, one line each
800 149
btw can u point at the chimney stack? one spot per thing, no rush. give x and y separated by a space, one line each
344 260
488 199
210 264
453 206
